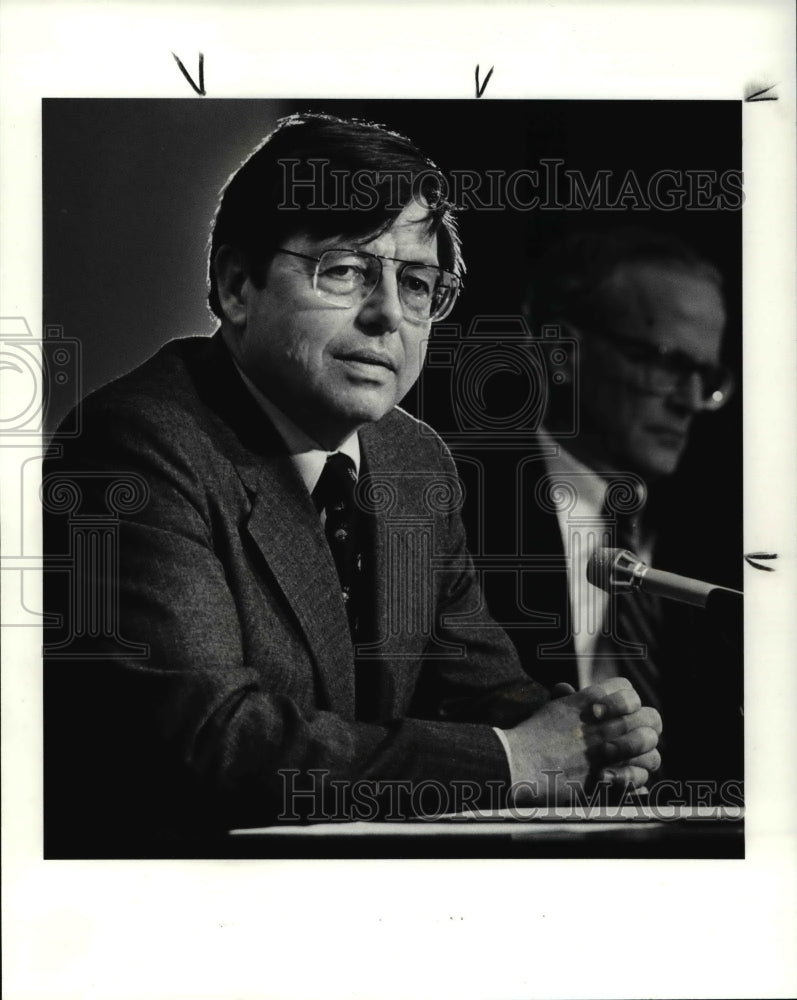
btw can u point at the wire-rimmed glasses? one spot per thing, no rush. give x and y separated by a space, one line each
345 278
664 371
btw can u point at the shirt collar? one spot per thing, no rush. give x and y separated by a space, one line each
306 454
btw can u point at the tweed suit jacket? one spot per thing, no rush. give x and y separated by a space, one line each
225 669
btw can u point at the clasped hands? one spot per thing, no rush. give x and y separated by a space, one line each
602 733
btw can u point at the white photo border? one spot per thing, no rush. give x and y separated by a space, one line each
392 929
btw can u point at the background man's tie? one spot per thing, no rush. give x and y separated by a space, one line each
334 495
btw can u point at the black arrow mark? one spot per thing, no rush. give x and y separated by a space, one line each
201 88
758 95
480 90
750 558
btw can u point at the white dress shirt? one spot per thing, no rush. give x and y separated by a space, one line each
583 528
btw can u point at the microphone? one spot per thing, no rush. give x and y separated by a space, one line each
619 571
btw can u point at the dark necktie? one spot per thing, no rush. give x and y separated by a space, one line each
635 621
334 495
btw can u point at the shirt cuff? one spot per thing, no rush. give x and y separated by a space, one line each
513 773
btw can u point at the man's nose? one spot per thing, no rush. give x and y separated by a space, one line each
689 394
381 312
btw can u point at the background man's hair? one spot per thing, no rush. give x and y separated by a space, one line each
300 180
570 282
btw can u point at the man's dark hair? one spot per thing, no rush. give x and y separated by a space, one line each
569 283
325 177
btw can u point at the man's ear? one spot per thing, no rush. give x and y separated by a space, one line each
232 283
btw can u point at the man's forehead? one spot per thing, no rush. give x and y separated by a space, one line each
653 292
408 232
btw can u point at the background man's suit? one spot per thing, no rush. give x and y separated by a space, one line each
695 654
226 576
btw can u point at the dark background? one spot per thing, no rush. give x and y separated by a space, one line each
129 189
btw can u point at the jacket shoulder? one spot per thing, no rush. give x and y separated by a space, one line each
163 415
186 392
407 435
166 381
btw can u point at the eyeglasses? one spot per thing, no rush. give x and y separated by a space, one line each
663 371
345 278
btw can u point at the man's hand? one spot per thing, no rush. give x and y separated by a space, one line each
601 733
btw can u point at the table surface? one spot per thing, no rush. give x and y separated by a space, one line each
608 831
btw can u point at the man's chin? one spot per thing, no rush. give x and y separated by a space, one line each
362 407
658 463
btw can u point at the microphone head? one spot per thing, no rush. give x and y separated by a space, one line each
613 570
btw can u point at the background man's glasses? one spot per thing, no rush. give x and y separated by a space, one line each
345 278
663 371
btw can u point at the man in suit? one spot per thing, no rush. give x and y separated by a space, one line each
242 631
646 317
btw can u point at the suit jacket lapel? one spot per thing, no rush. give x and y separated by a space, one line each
283 524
